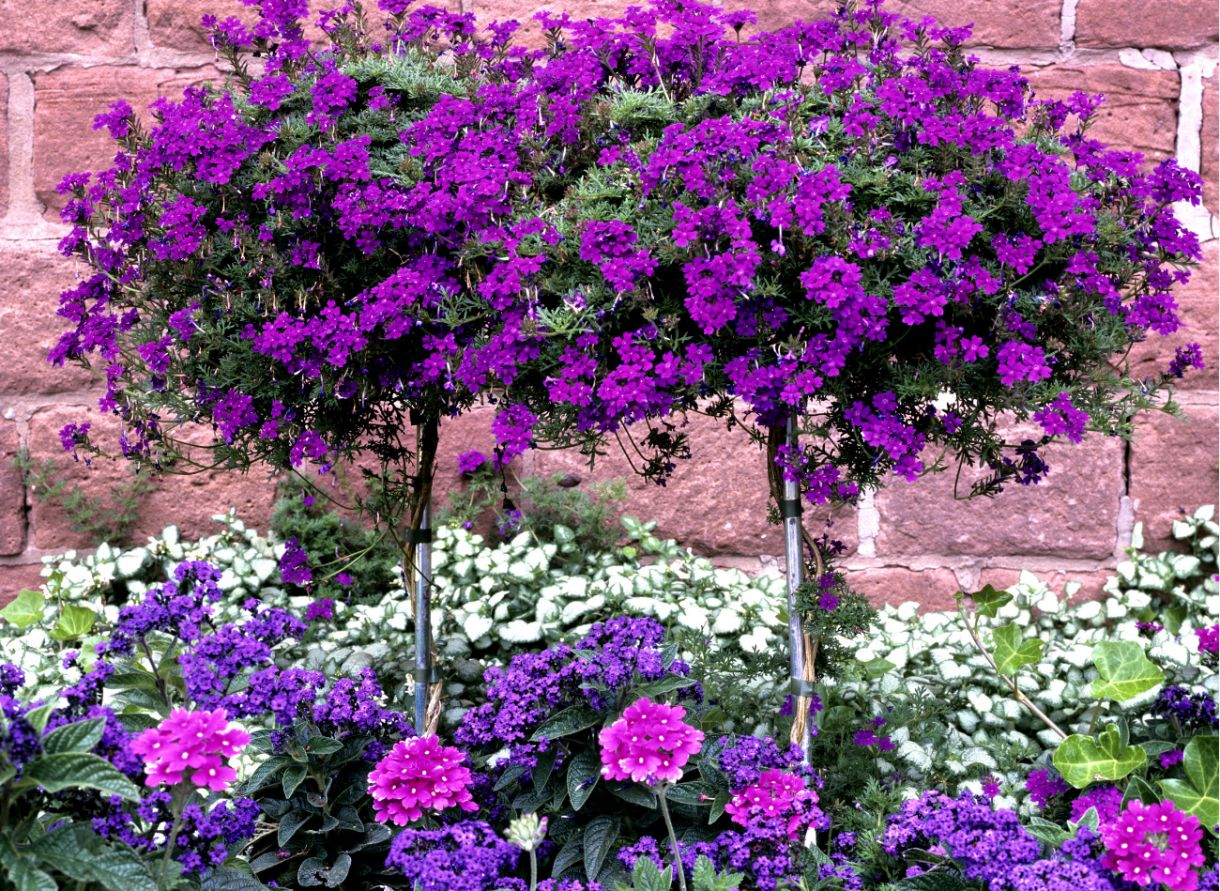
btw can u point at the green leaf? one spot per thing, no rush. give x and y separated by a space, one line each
510 776
532 799
570 720
265 771
29 878
1137 788
323 745
1200 796
308 871
697 794
543 768
875 668
570 854
57 772
38 717
79 737
289 824
646 877
74 621
226 878
292 779
1125 670
718 806
118 868
600 835
583 774
665 685
25 610
1011 652
1051 833
937 880
1089 818
635 794
1083 761
988 601
338 872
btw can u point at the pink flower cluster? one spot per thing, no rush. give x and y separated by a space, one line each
777 793
416 774
1209 638
1154 843
648 744
195 741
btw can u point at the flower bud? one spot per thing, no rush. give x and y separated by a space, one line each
526 832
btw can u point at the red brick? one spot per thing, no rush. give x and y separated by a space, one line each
1163 24
1173 470
67 100
1209 138
932 589
12 494
1072 513
83 27
4 187
175 24
1197 307
1013 24
16 577
185 501
29 296
1091 583
1140 111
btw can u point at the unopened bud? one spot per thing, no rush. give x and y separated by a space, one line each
526 832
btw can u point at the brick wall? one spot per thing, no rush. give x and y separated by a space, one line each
62 64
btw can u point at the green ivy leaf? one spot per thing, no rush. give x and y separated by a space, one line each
583 773
1125 670
57 772
1011 652
79 737
25 610
74 621
989 601
1201 761
600 836
1083 761
570 720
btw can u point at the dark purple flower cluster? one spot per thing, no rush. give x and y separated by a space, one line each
515 884
19 742
617 652
988 844
12 678
1042 786
355 708
294 565
1188 712
465 856
868 737
762 851
177 608
743 759
320 609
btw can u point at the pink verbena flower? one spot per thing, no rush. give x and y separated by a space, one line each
777 794
648 744
1154 843
1209 638
195 741
416 774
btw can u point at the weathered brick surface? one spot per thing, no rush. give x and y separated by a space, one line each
12 495
67 100
83 27
14 578
188 502
715 503
1209 138
1140 111
1197 308
932 589
1091 583
1164 24
4 172
1013 24
175 24
30 286
1072 513
1173 470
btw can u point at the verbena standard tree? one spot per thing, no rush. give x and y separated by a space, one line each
893 247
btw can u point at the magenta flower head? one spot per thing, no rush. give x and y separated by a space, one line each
416 774
469 462
1209 638
194 741
648 744
1154 843
777 794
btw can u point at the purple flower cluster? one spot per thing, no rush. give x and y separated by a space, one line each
1043 786
868 738
177 608
12 678
465 856
19 742
355 708
1189 712
744 759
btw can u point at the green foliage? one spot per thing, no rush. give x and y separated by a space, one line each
1083 762
1200 794
1123 670
102 521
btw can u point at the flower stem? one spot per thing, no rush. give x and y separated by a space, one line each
673 839
533 870
178 806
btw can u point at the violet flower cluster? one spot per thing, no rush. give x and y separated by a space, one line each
464 856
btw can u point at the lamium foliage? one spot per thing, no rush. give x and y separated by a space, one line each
848 219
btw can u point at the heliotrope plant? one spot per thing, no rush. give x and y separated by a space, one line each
903 249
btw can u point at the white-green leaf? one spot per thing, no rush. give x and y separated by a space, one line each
1124 670
26 609
1083 761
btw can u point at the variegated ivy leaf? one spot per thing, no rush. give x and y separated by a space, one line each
1011 652
1201 761
1083 761
1125 670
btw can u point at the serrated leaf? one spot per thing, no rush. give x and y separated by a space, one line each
583 774
696 794
1011 652
599 836
25 610
74 621
57 772
568 721
1201 796
989 601
1124 670
79 737
292 779
646 877
1082 761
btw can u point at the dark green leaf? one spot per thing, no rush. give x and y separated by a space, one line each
349 819
323 745
570 854
543 768
583 773
38 717
634 793
118 868
57 772
936 880
654 689
265 861
265 771
294 775
79 737
718 806
289 824
374 834
29 878
310 871
529 801
599 836
74 621
1051 833
510 777
226 878
1137 788
338 872
989 601
697 794
570 720
137 721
